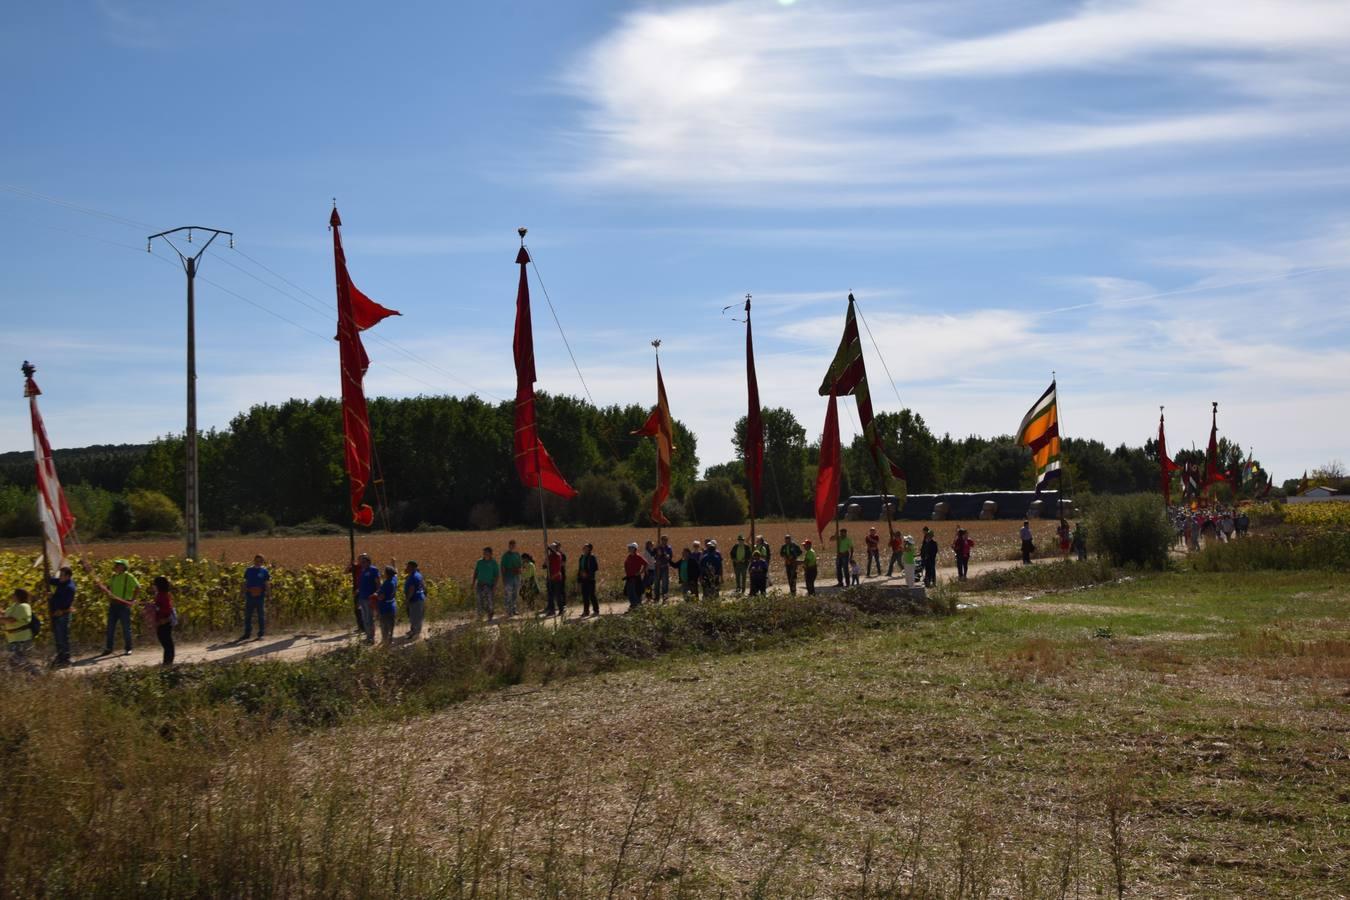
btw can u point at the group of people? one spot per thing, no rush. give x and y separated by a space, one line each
375 595
653 571
1221 525
22 624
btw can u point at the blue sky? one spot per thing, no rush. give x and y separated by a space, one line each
1148 196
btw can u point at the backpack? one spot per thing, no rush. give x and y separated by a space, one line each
34 626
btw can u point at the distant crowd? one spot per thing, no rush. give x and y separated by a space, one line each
1207 525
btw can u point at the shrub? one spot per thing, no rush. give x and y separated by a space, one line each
18 512
1048 576
254 522
428 528
153 511
598 501
92 507
1263 514
483 515
1131 530
1288 549
715 502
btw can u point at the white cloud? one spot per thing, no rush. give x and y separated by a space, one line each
740 102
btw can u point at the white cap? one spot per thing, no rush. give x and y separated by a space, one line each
632 545
712 544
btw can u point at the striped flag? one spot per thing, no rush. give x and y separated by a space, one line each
660 426
1040 432
53 514
848 375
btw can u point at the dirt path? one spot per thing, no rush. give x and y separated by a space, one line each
295 645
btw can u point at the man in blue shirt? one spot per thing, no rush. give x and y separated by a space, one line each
59 606
257 590
712 569
367 594
415 598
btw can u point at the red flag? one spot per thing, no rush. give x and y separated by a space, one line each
1213 474
660 426
1165 462
356 313
535 467
754 425
53 513
828 473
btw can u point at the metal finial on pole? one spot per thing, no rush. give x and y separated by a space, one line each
191 516
522 230
28 369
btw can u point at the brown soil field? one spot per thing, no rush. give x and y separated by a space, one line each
452 553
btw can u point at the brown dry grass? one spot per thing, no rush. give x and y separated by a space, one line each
1000 754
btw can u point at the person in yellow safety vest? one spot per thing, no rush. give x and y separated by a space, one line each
809 566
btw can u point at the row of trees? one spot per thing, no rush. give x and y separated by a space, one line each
446 461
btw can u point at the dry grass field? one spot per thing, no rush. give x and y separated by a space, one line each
452 553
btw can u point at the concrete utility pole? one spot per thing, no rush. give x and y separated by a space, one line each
191 515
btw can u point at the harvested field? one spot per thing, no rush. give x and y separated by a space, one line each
452 553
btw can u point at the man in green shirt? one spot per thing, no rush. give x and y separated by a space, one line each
740 562
791 554
122 590
511 564
809 566
843 555
485 574
17 621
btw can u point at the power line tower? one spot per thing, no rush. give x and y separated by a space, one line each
191 516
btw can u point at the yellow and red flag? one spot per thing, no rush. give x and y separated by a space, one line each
828 473
1039 431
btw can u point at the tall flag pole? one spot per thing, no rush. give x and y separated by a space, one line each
533 463
660 426
1213 474
848 375
53 513
829 469
355 313
754 425
1039 431
1164 461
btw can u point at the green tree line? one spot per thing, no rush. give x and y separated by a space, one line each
446 461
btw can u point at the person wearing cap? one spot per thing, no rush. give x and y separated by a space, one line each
635 570
711 563
791 554
843 553
759 574
415 599
122 590
367 594
810 566
257 589
485 574
962 547
510 563
587 567
740 561
555 576
873 541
